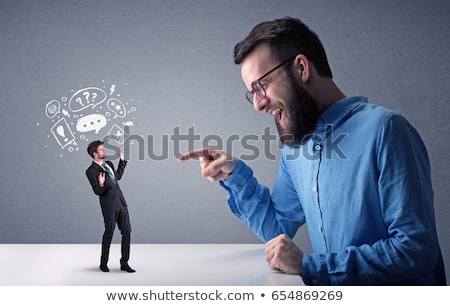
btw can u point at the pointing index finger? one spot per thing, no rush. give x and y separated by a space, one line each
207 153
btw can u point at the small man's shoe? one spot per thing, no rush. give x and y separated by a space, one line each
104 268
127 268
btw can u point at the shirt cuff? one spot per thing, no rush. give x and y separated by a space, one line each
238 178
314 270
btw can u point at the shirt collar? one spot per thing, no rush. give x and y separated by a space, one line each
338 111
100 163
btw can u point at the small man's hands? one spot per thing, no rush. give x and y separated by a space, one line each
283 254
101 179
121 156
216 165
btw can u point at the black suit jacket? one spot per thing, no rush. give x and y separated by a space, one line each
111 197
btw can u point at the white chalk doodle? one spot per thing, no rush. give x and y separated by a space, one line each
117 133
85 116
52 108
117 107
86 97
92 122
63 134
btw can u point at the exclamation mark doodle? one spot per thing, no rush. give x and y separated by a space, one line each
60 131
63 134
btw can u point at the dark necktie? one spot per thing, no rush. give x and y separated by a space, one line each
108 170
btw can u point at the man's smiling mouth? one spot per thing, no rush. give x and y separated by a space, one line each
276 113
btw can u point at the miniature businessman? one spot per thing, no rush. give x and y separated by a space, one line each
104 181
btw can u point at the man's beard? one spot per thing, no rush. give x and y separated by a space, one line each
302 114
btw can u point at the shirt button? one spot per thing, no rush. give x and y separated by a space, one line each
317 147
321 229
314 188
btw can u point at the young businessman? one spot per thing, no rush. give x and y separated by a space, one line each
104 181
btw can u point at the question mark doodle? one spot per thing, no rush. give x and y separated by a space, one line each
86 95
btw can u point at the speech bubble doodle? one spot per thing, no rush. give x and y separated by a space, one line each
86 97
93 122
52 108
62 133
117 107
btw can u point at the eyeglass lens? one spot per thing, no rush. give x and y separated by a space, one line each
257 89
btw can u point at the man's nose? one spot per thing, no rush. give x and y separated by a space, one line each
260 103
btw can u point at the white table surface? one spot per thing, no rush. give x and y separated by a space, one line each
156 265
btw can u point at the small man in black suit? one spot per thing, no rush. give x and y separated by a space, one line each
104 181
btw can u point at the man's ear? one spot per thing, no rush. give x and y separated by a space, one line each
303 67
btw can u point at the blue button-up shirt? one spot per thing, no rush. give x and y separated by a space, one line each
362 185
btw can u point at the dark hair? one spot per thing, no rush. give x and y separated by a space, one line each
285 37
92 147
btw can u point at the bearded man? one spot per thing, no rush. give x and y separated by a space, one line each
369 210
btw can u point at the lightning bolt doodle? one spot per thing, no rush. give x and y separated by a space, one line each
66 113
112 89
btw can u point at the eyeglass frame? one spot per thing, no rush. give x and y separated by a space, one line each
250 95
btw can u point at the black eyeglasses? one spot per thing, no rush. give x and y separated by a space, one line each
258 88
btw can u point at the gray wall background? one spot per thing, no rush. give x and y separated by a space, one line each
171 62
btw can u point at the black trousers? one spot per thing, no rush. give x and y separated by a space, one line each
121 217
